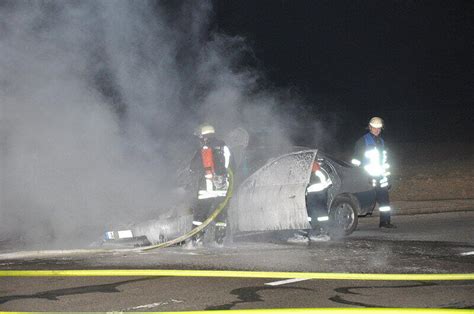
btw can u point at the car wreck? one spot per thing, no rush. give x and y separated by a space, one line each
273 198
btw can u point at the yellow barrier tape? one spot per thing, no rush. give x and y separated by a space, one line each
205 223
297 310
231 274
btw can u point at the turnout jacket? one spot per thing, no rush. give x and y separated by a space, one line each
208 184
370 152
219 149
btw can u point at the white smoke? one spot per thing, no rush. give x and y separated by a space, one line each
98 102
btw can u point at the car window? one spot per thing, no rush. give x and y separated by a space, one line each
341 163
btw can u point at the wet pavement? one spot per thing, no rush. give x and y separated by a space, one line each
437 243
427 244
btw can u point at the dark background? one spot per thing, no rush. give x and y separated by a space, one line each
410 62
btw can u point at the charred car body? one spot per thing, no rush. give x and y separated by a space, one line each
274 196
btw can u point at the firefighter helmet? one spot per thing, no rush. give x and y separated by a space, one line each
206 129
376 122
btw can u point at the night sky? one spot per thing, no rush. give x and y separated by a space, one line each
410 62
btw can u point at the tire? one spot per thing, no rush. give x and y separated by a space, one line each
343 215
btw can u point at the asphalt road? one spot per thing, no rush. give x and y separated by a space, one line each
433 244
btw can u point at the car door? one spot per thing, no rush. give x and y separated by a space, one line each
273 198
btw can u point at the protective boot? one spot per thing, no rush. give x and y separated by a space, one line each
319 235
220 232
387 225
198 239
300 237
385 221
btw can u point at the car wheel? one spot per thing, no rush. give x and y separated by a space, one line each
343 215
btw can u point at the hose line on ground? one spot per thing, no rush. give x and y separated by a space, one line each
205 223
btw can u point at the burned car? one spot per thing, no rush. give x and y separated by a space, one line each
270 194
274 196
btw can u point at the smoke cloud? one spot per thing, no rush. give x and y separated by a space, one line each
99 100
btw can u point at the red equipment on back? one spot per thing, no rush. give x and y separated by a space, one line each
207 161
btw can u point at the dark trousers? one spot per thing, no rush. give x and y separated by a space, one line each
204 208
382 198
316 204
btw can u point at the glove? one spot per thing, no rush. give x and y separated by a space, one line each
220 182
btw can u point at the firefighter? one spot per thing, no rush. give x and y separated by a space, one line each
316 203
317 207
210 164
371 154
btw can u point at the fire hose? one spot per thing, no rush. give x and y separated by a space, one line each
177 240
205 223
